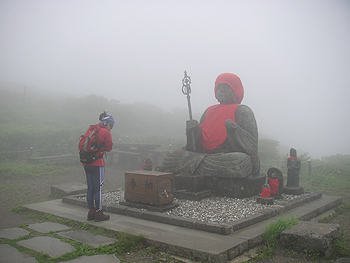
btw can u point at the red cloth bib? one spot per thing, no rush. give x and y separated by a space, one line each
213 128
265 192
274 184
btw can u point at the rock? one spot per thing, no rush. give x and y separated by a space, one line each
316 238
68 189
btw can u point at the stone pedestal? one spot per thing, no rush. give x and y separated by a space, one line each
230 187
265 200
189 182
315 238
293 190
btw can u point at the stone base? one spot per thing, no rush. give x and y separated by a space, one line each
195 196
315 238
265 200
229 187
68 189
160 208
293 190
235 188
189 182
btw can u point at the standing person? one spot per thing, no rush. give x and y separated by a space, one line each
294 166
95 172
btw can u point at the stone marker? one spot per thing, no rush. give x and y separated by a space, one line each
317 238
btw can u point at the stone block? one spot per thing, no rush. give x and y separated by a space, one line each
68 189
235 187
195 196
316 238
265 200
189 182
293 190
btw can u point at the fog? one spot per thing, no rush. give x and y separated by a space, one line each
292 57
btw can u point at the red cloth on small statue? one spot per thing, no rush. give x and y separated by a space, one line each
265 192
293 157
274 184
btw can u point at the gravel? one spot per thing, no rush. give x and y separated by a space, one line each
211 210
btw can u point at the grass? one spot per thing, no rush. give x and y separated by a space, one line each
272 232
24 168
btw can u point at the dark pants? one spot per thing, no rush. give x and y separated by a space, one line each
95 176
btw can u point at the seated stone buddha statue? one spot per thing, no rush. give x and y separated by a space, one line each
224 143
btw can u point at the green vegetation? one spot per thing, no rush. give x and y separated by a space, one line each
272 232
271 236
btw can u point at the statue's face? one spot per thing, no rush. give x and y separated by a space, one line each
224 93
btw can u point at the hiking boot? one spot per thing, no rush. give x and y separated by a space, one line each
99 216
91 214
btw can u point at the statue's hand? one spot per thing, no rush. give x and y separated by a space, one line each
191 124
230 125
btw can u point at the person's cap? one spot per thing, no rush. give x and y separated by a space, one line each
108 119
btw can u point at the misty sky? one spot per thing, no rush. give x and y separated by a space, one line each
293 57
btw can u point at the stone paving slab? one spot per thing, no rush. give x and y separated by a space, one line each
94 259
86 237
47 227
9 254
48 245
13 233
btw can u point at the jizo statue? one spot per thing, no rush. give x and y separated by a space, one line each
294 166
224 143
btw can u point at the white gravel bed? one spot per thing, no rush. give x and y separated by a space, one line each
211 210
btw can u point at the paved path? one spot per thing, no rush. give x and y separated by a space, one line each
52 246
188 243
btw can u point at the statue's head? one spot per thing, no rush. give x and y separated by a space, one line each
293 152
232 81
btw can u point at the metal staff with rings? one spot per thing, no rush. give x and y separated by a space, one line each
186 90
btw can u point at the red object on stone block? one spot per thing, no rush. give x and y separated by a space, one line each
149 187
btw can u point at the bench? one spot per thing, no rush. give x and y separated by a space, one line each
52 158
125 159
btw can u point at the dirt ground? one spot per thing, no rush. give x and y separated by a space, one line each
24 190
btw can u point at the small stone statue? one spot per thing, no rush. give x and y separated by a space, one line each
265 191
294 166
147 164
276 181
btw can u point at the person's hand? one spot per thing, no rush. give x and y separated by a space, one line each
191 124
230 125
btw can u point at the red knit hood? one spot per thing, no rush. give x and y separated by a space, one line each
234 82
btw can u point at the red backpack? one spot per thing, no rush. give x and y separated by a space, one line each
89 142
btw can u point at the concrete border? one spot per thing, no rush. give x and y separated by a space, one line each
222 229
